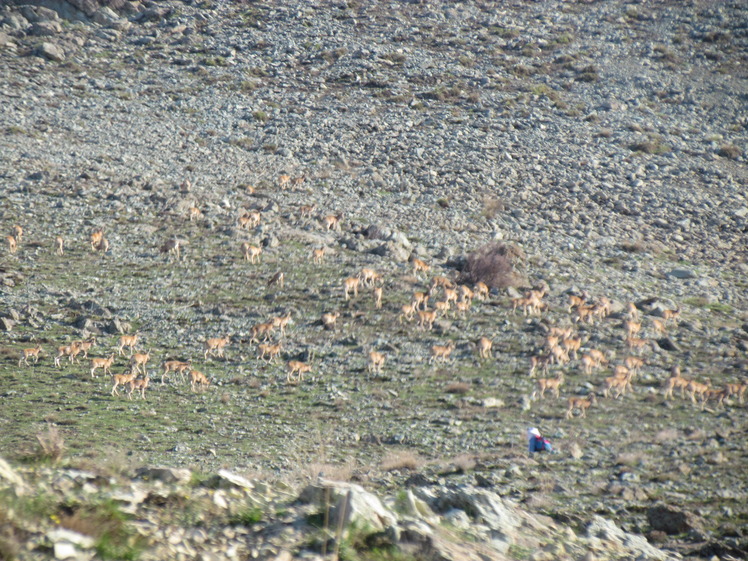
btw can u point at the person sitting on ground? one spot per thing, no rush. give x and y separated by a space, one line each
536 442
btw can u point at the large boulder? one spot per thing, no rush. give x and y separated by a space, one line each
671 520
350 504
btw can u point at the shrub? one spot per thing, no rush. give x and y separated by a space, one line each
51 444
458 388
401 460
497 265
729 151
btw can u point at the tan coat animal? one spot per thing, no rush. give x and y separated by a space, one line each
104 363
351 285
139 361
581 404
299 368
12 244
441 353
198 379
330 319
128 341
97 236
26 354
139 385
484 347
376 362
175 366
215 346
251 252
59 245
122 380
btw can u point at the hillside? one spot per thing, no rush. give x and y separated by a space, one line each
600 145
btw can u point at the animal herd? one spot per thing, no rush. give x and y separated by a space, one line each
565 346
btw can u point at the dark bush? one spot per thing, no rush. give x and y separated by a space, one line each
497 265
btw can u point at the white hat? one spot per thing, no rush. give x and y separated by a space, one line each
532 432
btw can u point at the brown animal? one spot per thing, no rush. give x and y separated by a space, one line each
420 266
376 362
299 368
718 395
175 366
369 276
351 285
737 390
553 384
632 312
407 312
12 244
421 300
281 322
441 281
484 347
441 353
194 213
284 180
70 351
171 247
268 352
251 252
96 237
442 308
577 301
139 385
306 211
540 361
128 341
426 319
86 346
634 363
261 329
697 388
59 245
215 346
122 380
671 315
462 307
17 232
580 403
318 255
466 293
571 346
332 221
297 182
249 219
482 291
197 378
329 320
104 363
658 327
377 293
632 328
278 278
675 381
103 245
636 344
26 354
140 360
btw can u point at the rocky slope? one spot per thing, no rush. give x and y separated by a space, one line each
605 139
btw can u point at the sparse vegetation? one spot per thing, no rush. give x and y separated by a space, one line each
497 265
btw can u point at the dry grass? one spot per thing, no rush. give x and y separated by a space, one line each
51 444
631 459
332 472
667 435
497 265
404 459
492 207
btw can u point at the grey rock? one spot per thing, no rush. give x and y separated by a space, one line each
7 324
681 274
672 520
165 474
46 28
50 51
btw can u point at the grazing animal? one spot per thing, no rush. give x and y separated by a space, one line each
140 360
351 285
441 353
175 366
281 322
577 301
251 252
86 346
737 390
268 352
658 327
632 328
139 385
581 404
128 341
171 247
636 344
318 255
377 293
197 378
96 237
17 232
482 291
671 315
59 245
484 347
261 329
306 211
675 381
297 182
104 363
26 354
420 266
421 300
278 278
369 276
284 180
634 363
553 384
194 213
215 346
407 312
442 308
570 345
540 361
70 351
122 380
426 319
329 320
632 312
12 244
376 362
299 368
332 221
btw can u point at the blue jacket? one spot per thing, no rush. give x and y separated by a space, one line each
539 444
